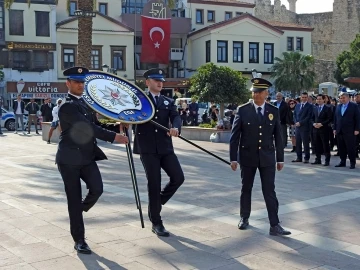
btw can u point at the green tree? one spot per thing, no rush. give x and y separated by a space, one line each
219 84
294 72
84 29
348 63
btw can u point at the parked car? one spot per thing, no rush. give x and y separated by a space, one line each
8 120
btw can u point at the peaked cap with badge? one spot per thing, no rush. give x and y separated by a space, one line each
260 84
155 74
76 73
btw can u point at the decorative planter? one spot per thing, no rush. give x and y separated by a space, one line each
203 134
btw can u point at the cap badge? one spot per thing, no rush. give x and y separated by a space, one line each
256 81
80 70
160 71
271 116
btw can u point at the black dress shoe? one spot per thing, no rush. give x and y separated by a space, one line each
160 230
278 230
243 223
352 166
296 160
82 247
340 165
316 162
327 163
306 161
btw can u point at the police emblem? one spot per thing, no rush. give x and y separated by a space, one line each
256 81
271 116
80 70
166 102
160 71
116 98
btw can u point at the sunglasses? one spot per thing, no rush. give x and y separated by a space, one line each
292 103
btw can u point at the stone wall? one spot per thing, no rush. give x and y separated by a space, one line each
333 31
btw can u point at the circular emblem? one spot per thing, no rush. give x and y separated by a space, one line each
160 71
256 81
166 102
80 70
117 98
271 116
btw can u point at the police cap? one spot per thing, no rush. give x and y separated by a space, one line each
260 84
155 74
76 73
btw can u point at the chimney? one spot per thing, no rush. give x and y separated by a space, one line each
292 5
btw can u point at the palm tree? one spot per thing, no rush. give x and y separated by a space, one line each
84 29
294 72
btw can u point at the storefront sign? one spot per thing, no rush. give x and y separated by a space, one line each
30 46
38 96
36 87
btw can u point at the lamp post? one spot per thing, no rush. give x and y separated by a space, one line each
106 68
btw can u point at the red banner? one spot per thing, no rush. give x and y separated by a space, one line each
155 40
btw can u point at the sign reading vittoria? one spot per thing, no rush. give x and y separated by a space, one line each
116 98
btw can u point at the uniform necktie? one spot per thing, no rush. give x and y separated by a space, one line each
260 116
156 100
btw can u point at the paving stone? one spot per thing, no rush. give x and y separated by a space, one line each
46 232
19 266
15 238
26 222
62 263
7 258
255 262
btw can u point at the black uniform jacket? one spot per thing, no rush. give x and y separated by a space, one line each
325 117
251 142
77 145
149 139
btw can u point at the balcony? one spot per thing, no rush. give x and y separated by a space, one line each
176 54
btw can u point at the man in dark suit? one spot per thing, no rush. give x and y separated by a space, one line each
302 115
194 112
322 116
346 128
19 109
78 152
46 110
256 126
156 149
284 115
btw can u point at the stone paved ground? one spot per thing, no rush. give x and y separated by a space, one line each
321 207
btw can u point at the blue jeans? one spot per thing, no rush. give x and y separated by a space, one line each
21 117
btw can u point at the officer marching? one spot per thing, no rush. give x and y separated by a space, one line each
156 149
256 126
78 152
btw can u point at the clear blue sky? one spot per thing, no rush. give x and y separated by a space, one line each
311 6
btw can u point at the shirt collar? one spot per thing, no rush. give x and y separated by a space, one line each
78 97
154 95
346 104
262 106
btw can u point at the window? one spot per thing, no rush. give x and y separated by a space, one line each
182 13
253 52
269 53
199 16
211 16
96 58
208 51
228 15
16 22
299 44
40 59
42 23
222 51
290 43
238 51
68 56
72 7
1 17
118 56
103 8
239 13
20 59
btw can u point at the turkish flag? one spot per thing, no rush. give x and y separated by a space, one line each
155 40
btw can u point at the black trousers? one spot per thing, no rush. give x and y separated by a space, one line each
347 147
71 176
284 134
302 138
153 163
267 176
322 144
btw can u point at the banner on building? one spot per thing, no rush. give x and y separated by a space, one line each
155 40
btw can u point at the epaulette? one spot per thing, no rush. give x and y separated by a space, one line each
243 105
272 105
171 100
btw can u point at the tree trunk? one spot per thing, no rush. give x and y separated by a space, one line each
85 35
222 109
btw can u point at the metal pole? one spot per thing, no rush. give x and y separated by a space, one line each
133 176
190 142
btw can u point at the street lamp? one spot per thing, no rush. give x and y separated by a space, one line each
106 68
82 13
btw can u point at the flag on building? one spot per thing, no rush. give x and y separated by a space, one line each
155 40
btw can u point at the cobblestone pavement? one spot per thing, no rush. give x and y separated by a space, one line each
319 205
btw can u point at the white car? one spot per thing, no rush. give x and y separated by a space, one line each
8 120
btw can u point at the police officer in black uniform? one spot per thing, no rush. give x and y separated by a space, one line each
156 149
256 126
78 152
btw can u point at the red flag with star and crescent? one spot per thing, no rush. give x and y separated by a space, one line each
155 40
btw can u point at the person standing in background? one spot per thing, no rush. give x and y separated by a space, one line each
32 108
19 108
